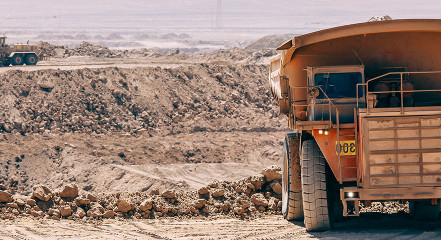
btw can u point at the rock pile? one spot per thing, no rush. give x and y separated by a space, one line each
248 197
88 49
45 49
253 54
183 99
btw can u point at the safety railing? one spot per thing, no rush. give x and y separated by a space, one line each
401 91
331 106
313 90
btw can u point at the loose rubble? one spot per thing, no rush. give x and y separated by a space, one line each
245 198
197 98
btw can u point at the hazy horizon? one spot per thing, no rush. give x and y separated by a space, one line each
200 15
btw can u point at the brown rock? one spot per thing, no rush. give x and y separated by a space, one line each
69 191
218 193
57 213
257 181
97 206
214 184
206 209
20 202
169 194
194 210
37 213
146 205
50 212
203 191
123 206
276 187
91 197
245 203
15 211
42 192
272 173
109 214
46 85
12 205
31 202
94 213
82 201
5 197
65 211
154 192
261 208
200 203
239 210
259 200
226 206
80 212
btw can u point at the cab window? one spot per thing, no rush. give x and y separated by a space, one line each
338 85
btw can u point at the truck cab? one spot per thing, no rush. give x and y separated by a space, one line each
338 84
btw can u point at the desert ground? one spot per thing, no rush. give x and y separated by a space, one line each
135 144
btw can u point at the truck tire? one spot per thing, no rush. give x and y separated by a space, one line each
424 210
17 60
31 59
292 205
314 189
335 204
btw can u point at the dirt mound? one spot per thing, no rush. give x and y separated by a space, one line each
88 49
269 42
71 126
250 196
124 162
258 55
184 99
50 50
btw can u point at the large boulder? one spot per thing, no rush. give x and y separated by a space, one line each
65 211
5 197
123 206
69 191
272 173
42 192
218 193
203 191
109 214
169 194
146 205
276 186
257 181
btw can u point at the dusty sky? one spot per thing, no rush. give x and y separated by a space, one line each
269 16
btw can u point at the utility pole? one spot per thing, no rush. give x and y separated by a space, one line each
219 24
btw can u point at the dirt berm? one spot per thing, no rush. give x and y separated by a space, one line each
155 100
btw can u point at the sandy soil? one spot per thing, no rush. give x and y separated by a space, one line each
373 226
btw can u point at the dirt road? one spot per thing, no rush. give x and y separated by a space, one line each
371 226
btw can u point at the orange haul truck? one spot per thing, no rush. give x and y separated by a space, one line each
365 103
